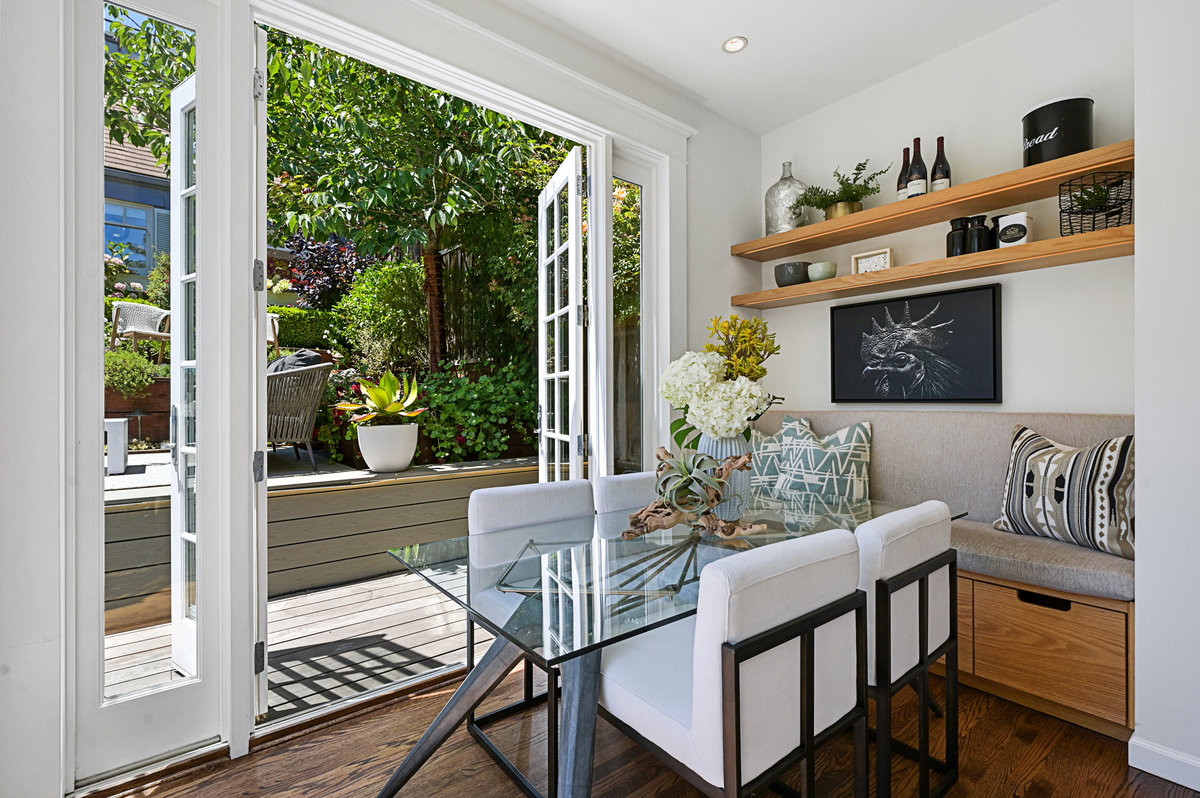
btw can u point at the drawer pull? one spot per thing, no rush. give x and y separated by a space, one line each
1050 602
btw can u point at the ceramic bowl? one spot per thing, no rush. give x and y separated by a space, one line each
792 273
822 271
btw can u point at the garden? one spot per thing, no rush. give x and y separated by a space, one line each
403 231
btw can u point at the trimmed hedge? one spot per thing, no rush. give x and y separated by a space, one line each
304 328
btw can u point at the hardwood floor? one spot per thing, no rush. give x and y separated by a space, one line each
1007 750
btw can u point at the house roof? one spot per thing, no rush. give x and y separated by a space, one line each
128 158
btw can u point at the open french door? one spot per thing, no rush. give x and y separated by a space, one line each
184 196
560 323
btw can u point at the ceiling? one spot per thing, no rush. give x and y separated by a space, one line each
803 54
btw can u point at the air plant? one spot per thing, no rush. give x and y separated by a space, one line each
684 480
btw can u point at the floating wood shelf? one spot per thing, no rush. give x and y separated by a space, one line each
979 196
1101 244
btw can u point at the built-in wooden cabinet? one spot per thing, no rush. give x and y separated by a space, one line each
1061 653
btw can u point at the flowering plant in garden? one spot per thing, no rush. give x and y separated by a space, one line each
714 389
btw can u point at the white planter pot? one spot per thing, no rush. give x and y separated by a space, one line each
388 448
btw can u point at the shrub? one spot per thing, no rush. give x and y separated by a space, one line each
323 273
477 419
386 317
158 284
128 372
307 328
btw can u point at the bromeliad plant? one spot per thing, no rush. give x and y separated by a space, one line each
385 403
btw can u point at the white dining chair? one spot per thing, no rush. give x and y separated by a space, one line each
624 491
494 510
909 574
771 665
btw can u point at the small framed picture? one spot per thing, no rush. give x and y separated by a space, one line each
874 261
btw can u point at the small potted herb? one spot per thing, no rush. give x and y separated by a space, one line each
846 198
386 437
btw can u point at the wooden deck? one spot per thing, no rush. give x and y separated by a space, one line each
323 645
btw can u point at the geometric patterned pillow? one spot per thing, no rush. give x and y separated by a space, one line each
796 459
1081 496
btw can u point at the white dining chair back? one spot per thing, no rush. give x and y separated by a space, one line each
509 506
624 491
889 545
671 686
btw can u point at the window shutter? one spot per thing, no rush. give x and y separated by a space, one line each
162 233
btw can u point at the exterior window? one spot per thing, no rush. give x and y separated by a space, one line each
127 235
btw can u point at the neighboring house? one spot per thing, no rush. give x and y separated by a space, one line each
137 205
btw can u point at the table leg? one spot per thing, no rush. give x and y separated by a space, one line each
479 683
580 702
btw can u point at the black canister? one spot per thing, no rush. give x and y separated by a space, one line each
979 237
996 230
1057 128
956 239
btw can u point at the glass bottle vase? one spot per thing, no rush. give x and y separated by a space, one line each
779 201
737 489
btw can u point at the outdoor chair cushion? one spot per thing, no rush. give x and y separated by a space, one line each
1041 561
298 359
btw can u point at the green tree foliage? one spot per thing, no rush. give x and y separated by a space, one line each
359 153
384 317
146 58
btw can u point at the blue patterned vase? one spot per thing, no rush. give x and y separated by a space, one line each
737 490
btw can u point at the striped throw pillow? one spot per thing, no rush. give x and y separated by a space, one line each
1082 496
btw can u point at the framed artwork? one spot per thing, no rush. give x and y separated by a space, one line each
940 347
874 261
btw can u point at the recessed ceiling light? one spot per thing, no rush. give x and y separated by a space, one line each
735 44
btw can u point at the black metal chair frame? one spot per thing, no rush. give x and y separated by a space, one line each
732 657
918 677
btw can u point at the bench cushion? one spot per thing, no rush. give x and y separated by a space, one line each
1041 561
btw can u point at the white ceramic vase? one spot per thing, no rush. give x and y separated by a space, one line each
388 448
737 490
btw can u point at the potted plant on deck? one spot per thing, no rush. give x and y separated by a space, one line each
847 198
387 436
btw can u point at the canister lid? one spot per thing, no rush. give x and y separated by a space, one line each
1040 105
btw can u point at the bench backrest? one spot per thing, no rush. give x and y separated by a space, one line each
959 457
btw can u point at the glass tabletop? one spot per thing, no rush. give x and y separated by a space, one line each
562 589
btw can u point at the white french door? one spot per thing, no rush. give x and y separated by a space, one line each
184 197
561 368
144 676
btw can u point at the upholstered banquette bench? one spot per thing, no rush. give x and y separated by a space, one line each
1041 622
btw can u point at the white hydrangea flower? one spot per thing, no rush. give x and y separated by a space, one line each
724 408
690 376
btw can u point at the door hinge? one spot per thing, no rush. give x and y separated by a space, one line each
583 316
584 184
260 656
260 85
260 462
583 445
260 275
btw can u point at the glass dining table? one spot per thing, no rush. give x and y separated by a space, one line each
558 593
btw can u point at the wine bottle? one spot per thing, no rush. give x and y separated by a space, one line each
902 178
918 176
941 168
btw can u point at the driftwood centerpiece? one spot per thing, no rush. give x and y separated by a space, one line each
662 514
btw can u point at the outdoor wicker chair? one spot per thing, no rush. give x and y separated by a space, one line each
293 397
136 321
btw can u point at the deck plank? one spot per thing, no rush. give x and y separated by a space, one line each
323 645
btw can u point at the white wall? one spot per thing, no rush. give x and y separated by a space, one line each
31 481
1167 738
1067 332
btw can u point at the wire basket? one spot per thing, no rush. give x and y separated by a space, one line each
1095 202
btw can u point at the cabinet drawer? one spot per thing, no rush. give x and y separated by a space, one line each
966 625
1060 650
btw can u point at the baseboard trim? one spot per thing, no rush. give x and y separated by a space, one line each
1164 762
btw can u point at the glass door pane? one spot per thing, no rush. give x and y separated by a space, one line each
627 327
